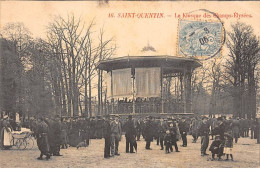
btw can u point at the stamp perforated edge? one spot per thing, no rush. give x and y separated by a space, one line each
201 57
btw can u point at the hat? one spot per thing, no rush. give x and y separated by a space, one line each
117 116
5 116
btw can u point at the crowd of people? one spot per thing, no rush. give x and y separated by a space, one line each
53 133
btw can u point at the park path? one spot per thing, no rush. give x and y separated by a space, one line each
246 154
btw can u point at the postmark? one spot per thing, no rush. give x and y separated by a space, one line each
199 39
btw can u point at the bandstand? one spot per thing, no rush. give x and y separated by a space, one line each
154 85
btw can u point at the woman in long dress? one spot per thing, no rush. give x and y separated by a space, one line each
6 134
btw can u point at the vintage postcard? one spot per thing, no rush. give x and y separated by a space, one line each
129 84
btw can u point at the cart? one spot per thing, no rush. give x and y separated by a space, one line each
22 139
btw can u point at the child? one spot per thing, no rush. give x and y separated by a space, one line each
228 144
167 142
216 148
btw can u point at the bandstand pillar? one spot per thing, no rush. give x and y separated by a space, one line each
133 88
112 98
188 91
162 100
184 90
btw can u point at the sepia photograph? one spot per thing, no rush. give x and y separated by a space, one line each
129 84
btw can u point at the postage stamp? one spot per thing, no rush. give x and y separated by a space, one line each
199 39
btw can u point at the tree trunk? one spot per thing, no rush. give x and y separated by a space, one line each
86 92
99 103
89 87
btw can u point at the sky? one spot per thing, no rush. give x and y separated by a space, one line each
130 34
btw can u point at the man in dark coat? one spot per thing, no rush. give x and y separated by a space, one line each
184 128
235 129
253 124
99 127
242 127
54 135
42 138
138 129
107 136
149 133
64 134
220 129
203 132
194 129
82 129
74 135
86 129
247 126
130 134
174 135
162 127
143 122
156 133
92 127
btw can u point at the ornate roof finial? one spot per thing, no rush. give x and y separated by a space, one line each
148 48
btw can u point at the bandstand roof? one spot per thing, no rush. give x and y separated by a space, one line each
170 64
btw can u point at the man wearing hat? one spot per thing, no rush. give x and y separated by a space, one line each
139 125
184 128
115 135
98 127
203 131
130 134
64 133
107 136
42 138
220 129
54 135
148 131
162 127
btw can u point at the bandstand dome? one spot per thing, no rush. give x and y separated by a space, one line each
170 63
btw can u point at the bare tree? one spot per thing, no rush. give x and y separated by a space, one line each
19 38
77 54
244 49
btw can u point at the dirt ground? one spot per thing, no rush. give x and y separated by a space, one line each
246 154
